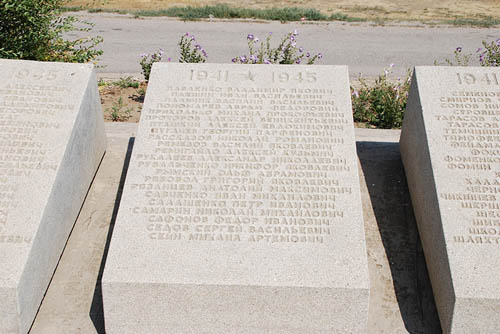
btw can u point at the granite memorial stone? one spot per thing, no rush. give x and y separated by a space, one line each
450 146
241 211
51 142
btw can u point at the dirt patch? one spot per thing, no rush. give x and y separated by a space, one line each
122 104
373 10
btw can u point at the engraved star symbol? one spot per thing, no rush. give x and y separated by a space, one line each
250 76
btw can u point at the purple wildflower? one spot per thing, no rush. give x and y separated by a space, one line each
355 93
301 49
320 55
292 38
297 61
198 47
459 49
169 59
253 58
250 37
144 55
266 61
479 50
233 60
243 59
308 55
204 53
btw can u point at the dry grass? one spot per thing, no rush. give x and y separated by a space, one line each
373 10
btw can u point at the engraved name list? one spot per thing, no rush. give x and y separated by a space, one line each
256 164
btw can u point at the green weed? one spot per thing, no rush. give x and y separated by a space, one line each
382 104
126 82
119 111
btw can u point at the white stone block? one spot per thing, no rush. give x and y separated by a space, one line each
51 143
241 211
450 146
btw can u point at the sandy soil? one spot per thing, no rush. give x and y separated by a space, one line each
130 108
401 10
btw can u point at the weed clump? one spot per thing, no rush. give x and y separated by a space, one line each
287 51
383 103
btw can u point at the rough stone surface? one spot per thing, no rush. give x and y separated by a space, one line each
241 212
401 298
51 143
450 146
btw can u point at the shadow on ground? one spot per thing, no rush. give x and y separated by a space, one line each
388 191
96 310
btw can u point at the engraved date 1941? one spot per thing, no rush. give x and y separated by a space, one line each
470 79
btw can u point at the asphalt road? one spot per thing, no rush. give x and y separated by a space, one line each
366 48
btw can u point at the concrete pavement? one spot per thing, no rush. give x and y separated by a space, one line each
365 47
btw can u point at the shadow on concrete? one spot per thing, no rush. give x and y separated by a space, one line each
96 309
386 181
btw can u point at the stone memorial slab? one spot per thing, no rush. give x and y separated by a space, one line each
51 142
450 146
241 212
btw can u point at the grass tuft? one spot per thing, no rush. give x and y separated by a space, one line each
72 9
223 11
344 17
481 21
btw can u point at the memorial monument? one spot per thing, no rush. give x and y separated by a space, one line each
51 142
450 146
241 210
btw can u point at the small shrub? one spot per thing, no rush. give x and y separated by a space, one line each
190 53
459 58
33 29
119 111
102 83
490 56
126 82
147 62
286 52
382 104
